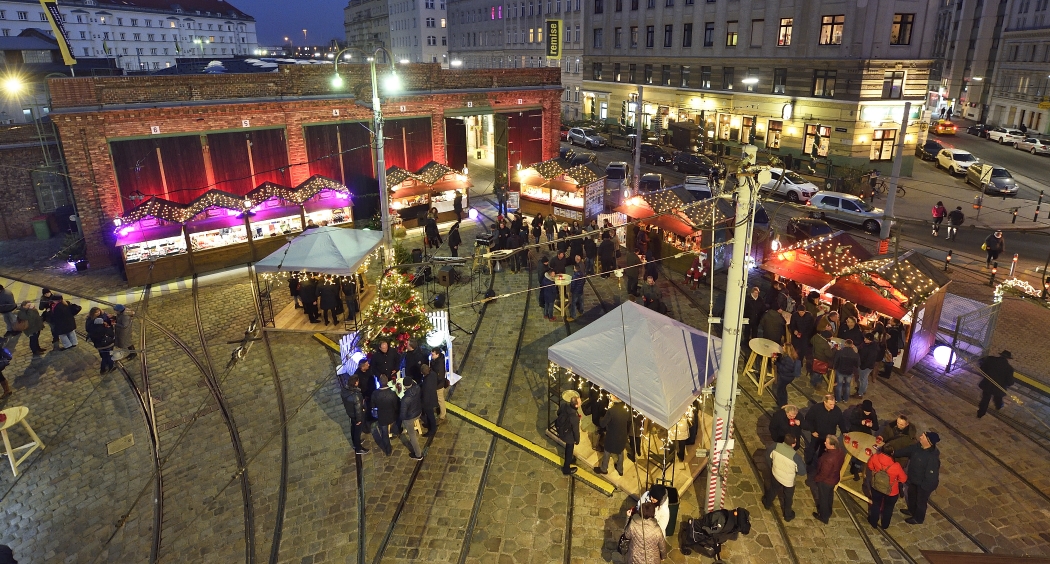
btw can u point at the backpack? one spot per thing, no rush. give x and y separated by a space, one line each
880 481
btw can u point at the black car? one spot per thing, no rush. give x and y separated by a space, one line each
978 129
576 159
928 151
807 227
655 155
691 163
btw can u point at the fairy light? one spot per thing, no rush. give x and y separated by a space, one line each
396 314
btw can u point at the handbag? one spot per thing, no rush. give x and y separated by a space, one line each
21 325
820 367
984 246
624 544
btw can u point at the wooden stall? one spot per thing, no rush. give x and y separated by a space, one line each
571 194
434 186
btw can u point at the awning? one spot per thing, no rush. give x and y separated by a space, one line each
635 212
408 192
671 223
787 264
852 289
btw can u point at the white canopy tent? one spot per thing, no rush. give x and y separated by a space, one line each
650 361
324 250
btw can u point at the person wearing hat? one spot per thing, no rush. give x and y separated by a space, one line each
998 376
994 245
122 329
924 469
567 426
47 302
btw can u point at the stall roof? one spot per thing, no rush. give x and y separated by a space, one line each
668 199
655 364
326 250
672 223
635 211
854 290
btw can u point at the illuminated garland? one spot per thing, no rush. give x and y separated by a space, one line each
1017 287
395 315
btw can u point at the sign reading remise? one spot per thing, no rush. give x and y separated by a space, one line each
554 39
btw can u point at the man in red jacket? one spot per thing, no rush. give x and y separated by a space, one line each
882 502
829 468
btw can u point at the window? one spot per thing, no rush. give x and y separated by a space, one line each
634 36
444 22
599 6
648 74
900 33
634 5
773 131
668 35
727 78
630 73
709 34
429 4
83 35
616 72
596 71
3 14
780 81
687 35
668 3
43 18
432 40
665 75
444 40
617 37
149 37
650 4
824 83
153 51
817 140
882 143
650 36
598 38
684 83
751 73
134 21
619 5
431 22
23 15
135 36
758 28
831 30
577 30
731 34
705 77
532 35
893 84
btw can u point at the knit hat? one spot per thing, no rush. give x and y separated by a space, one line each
933 437
866 407
45 291
99 321
119 308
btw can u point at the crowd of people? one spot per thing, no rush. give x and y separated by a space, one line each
393 393
322 296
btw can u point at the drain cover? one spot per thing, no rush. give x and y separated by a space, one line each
121 444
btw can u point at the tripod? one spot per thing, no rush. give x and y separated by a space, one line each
447 282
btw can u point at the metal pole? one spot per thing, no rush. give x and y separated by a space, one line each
891 191
638 109
726 381
384 204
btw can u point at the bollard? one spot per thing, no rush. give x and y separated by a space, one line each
1013 265
995 268
1015 216
947 260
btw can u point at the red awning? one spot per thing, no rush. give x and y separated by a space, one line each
788 265
635 212
852 289
673 224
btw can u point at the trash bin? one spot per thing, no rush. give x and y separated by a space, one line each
40 228
672 509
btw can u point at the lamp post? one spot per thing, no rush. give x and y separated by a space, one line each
392 83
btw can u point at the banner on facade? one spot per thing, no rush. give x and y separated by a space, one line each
54 17
553 39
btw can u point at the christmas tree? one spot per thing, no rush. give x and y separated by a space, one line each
395 315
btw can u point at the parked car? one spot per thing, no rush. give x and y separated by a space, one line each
617 170
697 186
1005 135
978 129
1000 182
564 134
955 161
582 158
1034 145
928 150
848 209
944 127
655 155
807 227
585 136
651 182
692 163
793 187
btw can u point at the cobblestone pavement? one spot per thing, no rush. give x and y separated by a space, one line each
67 503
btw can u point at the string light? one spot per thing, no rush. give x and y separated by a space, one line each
396 314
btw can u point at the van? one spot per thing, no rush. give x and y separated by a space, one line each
651 182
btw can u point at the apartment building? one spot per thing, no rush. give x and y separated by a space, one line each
1020 86
412 30
367 24
144 34
969 36
828 78
488 34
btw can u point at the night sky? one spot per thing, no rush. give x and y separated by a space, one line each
276 19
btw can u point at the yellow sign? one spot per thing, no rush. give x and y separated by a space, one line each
54 17
554 39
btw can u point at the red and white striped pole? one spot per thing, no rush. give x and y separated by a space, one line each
725 459
714 473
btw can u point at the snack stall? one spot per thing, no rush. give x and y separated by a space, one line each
573 194
434 186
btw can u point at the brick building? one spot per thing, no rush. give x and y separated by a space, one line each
161 166
28 186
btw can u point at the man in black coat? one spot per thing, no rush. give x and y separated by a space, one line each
558 263
607 254
454 239
1000 376
617 425
821 420
754 307
414 359
388 409
365 378
924 470
429 391
567 426
802 328
308 294
411 410
354 404
773 327
328 299
385 362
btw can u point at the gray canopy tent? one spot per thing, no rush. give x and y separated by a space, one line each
332 251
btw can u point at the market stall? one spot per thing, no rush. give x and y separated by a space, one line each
660 368
571 194
434 186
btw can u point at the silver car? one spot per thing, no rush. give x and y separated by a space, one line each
848 209
1000 181
585 136
1033 145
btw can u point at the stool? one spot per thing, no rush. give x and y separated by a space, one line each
562 282
765 349
18 415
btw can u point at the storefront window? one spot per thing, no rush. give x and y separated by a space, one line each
277 226
818 136
536 193
882 142
773 132
574 199
745 131
150 239
328 207
724 126
219 237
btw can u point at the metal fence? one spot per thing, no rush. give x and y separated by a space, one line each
970 334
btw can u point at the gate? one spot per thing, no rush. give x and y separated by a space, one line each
971 336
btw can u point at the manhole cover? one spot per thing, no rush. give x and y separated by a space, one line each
121 444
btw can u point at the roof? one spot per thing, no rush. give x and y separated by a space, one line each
216 7
28 42
326 250
653 363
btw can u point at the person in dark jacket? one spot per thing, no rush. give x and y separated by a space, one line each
48 299
457 206
328 297
821 420
124 320
517 259
366 379
542 271
576 293
387 408
850 330
548 294
754 307
537 227
293 289
558 263
868 352
1000 376
861 418
898 433
820 348
349 289
9 308
772 326
354 404
784 421
100 331
430 232
617 425
411 410
567 426
550 229
846 361
802 327
429 392
924 469
632 268
438 368
607 255
590 249
827 477
994 245
64 324
308 293
28 313
454 239
785 368
385 361
415 358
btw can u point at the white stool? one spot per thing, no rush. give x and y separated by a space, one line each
18 415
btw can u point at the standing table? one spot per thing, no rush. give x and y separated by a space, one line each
765 349
865 447
562 282
18 415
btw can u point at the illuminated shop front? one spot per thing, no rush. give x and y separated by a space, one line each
433 187
573 194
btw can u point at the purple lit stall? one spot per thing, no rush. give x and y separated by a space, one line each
328 207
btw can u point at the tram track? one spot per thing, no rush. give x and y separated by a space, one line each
145 400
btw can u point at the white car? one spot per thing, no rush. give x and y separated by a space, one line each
848 209
792 186
1033 145
955 161
585 136
1005 135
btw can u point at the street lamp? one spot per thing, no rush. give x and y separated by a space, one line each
392 84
